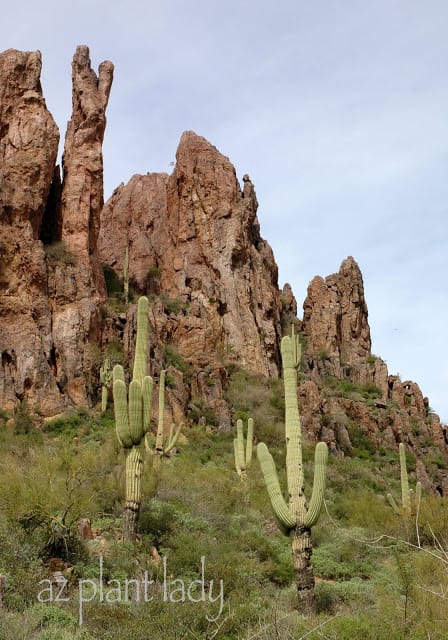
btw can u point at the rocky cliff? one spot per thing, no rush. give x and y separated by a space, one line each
348 397
28 147
191 242
194 247
51 279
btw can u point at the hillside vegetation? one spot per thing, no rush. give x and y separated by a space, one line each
372 582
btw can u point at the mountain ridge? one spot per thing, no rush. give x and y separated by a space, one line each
195 248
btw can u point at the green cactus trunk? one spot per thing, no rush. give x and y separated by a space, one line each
104 398
410 500
161 449
134 469
243 453
295 517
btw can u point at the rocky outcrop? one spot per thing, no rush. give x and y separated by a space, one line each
335 319
76 281
28 148
347 395
195 248
50 306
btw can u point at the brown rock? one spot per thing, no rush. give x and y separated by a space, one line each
335 319
337 338
77 284
28 148
194 237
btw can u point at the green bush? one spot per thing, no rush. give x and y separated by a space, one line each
349 389
23 423
114 283
172 358
57 253
260 398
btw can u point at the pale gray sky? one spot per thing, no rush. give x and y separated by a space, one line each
337 110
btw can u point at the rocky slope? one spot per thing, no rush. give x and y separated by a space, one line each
194 247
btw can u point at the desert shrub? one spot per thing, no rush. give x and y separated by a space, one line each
58 253
114 350
362 446
349 389
198 412
114 284
158 520
260 398
20 564
172 358
23 423
173 305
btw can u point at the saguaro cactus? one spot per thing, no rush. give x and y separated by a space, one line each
295 518
105 379
132 419
160 449
410 502
243 454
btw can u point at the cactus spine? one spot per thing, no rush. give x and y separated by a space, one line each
132 419
410 503
160 449
295 518
243 454
105 379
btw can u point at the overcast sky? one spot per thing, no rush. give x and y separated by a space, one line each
338 111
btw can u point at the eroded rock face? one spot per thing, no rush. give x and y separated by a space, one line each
77 283
195 249
335 318
194 238
347 393
50 306
28 148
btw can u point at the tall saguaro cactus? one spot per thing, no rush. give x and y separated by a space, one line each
160 448
295 517
243 454
132 419
410 502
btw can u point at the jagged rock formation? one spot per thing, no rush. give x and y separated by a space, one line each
347 393
76 285
194 237
28 147
335 319
50 298
195 249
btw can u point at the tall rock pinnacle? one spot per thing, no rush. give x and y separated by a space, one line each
28 148
78 287
198 231
82 164
335 318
